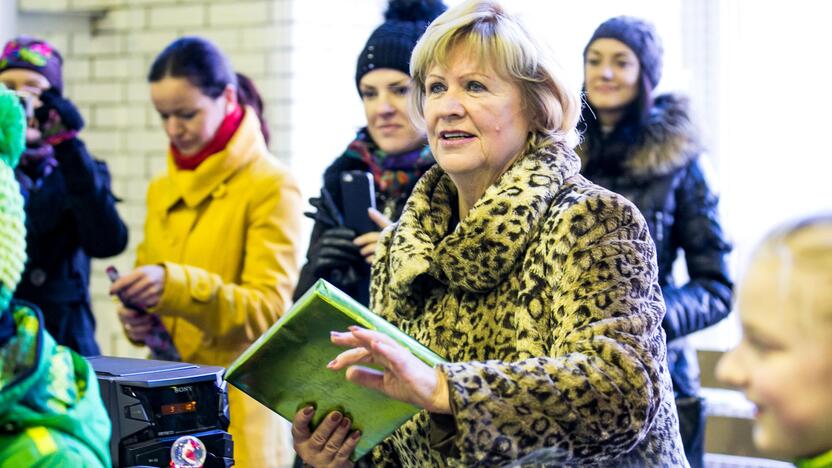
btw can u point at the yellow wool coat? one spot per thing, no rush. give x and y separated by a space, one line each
227 235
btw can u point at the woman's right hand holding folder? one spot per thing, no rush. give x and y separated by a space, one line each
330 445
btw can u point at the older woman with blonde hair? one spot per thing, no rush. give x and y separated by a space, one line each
538 287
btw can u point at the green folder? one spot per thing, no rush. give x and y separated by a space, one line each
285 369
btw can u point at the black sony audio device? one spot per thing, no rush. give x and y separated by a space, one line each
153 403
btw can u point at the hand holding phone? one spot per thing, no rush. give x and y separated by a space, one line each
368 242
112 273
150 328
142 288
358 194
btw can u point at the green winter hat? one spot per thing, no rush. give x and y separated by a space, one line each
12 216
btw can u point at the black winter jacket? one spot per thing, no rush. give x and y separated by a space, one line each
391 208
657 166
70 217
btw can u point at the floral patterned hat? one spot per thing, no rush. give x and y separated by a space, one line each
34 54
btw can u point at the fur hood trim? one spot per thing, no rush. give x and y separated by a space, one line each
671 139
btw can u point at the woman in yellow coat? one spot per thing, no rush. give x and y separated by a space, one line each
219 257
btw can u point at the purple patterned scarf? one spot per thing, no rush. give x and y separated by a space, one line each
394 174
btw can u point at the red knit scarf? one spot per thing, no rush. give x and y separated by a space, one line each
226 130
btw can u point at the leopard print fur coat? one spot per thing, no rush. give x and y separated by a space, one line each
545 303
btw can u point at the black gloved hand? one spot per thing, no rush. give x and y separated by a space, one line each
325 212
336 251
58 118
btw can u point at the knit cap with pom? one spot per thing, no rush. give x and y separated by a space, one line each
12 216
392 43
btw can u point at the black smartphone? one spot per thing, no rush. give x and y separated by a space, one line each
112 273
358 193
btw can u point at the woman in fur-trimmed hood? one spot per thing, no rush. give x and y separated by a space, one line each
647 149
538 287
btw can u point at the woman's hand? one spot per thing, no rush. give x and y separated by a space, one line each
330 445
137 325
367 242
58 118
405 377
142 287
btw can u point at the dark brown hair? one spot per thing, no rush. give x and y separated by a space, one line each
248 95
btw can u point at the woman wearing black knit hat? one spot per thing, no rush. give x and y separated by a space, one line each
645 147
389 147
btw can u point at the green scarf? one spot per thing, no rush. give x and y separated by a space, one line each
50 407
823 460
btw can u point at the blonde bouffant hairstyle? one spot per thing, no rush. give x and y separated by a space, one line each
495 38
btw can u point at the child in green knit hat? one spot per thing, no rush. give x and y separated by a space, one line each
12 230
50 407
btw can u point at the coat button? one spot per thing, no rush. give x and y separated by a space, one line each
37 277
219 192
201 291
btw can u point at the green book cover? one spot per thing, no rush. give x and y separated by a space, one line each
285 369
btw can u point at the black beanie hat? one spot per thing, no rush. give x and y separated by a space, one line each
640 36
392 43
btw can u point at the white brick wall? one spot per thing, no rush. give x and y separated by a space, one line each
44 5
254 63
104 67
123 19
246 14
111 117
227 38
177 16
137 91
91 92
147 43
86 45
105 74
78 70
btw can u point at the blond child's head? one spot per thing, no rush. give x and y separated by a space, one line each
784 361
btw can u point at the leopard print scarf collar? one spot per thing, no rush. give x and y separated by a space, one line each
482 249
